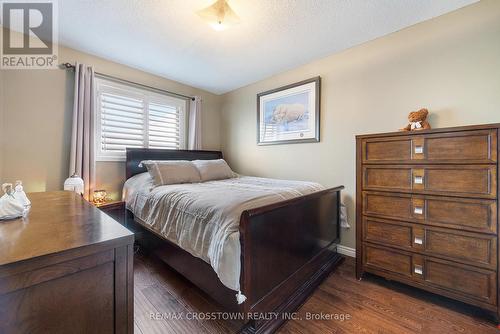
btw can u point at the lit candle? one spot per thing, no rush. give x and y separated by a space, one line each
99 196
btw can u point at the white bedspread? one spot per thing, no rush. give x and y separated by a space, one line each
203 218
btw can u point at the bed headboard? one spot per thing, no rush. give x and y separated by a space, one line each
136 155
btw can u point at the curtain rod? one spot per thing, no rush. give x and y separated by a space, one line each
68 66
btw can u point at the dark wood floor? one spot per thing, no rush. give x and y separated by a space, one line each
373 305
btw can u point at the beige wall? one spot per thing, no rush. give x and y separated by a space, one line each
37 122
450 65
1 122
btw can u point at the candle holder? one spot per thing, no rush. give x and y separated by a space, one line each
99 197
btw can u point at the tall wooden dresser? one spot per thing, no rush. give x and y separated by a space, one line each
427 210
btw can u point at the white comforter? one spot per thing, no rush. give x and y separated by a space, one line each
203 218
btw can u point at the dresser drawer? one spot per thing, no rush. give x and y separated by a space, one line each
458 180
469 282
477 215
393 261
466 247
456 280
453 147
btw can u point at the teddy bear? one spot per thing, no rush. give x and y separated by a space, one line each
418 121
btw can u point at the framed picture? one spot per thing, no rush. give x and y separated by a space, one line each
289 114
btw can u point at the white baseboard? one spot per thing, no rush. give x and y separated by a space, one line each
347 251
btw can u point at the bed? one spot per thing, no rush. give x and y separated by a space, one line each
279 252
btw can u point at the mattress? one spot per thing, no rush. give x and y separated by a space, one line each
203 218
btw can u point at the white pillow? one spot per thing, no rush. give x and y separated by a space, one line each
166 172
213 169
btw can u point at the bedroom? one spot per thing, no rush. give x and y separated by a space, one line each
367 66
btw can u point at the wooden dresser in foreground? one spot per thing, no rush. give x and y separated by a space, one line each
427 210
67 268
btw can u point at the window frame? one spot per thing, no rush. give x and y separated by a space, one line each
103 85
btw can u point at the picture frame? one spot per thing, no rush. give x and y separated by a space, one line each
290 114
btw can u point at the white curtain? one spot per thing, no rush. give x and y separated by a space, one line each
82 160
194 133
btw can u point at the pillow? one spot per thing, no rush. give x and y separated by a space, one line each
166 172
213 169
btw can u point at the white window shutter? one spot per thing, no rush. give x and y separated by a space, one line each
164 126
131 117
122 123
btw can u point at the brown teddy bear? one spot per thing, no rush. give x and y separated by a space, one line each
418 121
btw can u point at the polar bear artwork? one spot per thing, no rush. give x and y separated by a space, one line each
285 113
289 114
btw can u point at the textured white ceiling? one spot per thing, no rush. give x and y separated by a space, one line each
167 38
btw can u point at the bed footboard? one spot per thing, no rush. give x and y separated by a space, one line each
287 249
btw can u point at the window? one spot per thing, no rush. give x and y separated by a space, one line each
127 116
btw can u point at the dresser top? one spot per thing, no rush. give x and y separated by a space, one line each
437 130
58 221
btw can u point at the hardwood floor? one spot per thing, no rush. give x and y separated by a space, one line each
373 305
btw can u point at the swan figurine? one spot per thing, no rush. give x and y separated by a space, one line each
14 203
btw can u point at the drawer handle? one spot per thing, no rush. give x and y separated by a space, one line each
418 210
419 149
418 269
418 180
418 241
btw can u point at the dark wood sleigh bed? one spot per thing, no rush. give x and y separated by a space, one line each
287 249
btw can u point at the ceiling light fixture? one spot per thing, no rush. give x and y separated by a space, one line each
219 15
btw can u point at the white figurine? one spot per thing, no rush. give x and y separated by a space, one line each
21 197
10 207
